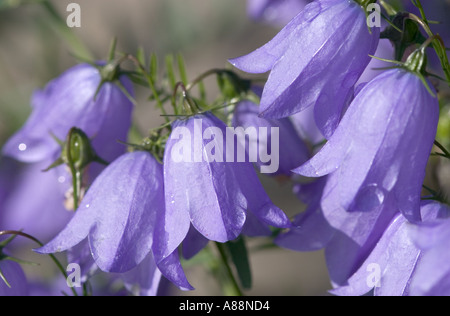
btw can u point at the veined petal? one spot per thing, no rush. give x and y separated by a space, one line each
118 213
264 58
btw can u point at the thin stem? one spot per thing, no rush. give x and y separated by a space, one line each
223 256
150 82
55 260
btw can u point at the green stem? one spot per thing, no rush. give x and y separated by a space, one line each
224 258
76 45
438 43
55 260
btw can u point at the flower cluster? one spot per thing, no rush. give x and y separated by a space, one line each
354 143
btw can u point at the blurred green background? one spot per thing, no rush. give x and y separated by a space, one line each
206 33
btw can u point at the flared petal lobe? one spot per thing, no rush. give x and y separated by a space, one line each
117 214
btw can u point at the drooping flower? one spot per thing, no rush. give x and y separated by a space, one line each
205 189
314 61
380 148
118 216
276 12
395 262
376 163
292 149
14 275
73 99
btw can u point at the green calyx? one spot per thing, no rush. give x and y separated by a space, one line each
77 151
417 62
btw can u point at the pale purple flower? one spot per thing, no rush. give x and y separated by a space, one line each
292 149
396 259
376 163
276 12
71 101
16 278
314 61
118 216
212 195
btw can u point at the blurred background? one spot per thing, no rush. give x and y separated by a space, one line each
34 50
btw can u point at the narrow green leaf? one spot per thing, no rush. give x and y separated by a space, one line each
239 255
154 67
170 71
182 69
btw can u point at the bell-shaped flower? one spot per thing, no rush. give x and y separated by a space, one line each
118 215
380 150
314 61
207 187
74 99
276 12
376 163
292 150
396 259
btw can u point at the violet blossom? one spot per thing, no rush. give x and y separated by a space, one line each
314 61
118 215
213 195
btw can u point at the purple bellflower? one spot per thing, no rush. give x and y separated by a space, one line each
13 273
275 12
292 149
314 61
73 99
118 216
376 163
396 259
205 190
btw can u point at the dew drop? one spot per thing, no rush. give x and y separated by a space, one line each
87 205
62 179
312 10
22 147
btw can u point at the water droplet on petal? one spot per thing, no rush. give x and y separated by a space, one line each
87 205
22 147
312 11
62 179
